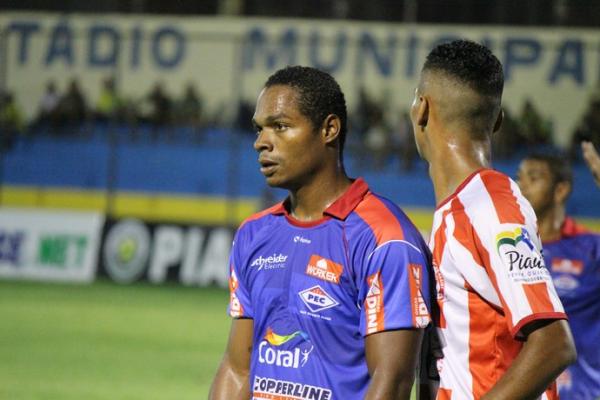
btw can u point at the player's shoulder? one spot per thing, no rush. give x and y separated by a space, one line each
386 220
259 219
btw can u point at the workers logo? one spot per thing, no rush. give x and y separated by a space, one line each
316 299
324 269
276 261
295 357
525 263
574 267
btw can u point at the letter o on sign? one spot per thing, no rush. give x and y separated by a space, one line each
126 250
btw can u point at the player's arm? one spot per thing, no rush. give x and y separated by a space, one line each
592 159
392 359
548 350
232 379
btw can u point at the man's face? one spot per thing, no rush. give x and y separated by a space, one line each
535 180
289 149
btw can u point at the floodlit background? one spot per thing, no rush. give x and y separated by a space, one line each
126 158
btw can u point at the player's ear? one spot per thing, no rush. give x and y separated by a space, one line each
499 120
561 192
422 115
331 128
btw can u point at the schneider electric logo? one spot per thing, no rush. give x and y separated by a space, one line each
276 261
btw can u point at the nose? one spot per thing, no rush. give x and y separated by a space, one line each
263 142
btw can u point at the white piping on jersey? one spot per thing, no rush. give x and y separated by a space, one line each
392 241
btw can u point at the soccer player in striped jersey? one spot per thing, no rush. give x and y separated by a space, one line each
501 325
329 290
572 254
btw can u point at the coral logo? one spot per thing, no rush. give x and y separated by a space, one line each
316 299
324 269
277 340
294 358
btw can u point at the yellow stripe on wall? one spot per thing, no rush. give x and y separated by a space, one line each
156 207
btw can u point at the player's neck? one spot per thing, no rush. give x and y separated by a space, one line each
308 202
454 162
550 223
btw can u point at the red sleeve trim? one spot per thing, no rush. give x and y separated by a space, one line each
534 317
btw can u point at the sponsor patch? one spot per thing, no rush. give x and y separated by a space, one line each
271 353
302 239
524 262
374 304
275 261
235 306
317 299
574 267
420 313
269 388
324 269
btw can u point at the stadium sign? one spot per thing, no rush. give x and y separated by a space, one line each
230 58
192 255
43 245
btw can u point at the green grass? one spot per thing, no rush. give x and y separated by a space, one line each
105 341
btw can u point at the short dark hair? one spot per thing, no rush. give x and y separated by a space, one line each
475 67
559 166
319 95
469 62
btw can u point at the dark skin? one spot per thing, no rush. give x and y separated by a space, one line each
306 161
454 151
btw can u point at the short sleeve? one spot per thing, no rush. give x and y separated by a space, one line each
240 305
394 291
520 276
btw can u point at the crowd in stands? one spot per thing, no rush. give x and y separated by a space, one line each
385 132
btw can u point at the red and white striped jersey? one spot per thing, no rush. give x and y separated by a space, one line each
491 281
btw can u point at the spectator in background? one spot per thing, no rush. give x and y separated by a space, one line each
589 127
48 109
403 141
11 119
72 107
160 106
534 128
189 108
109 105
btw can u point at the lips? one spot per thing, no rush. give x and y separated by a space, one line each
267 166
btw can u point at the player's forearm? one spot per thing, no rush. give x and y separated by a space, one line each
389 386
545 354
230 384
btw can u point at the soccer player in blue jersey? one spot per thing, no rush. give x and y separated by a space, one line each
329 289
572 254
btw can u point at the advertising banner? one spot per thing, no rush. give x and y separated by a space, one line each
229 59
191 255
49 245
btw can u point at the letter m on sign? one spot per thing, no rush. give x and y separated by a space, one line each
261 45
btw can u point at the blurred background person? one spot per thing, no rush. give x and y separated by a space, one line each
572 254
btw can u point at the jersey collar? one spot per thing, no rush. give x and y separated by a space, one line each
339 209
571 228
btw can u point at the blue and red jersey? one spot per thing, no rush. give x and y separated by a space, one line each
315 290
574 262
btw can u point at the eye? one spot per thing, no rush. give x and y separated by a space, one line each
280 127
